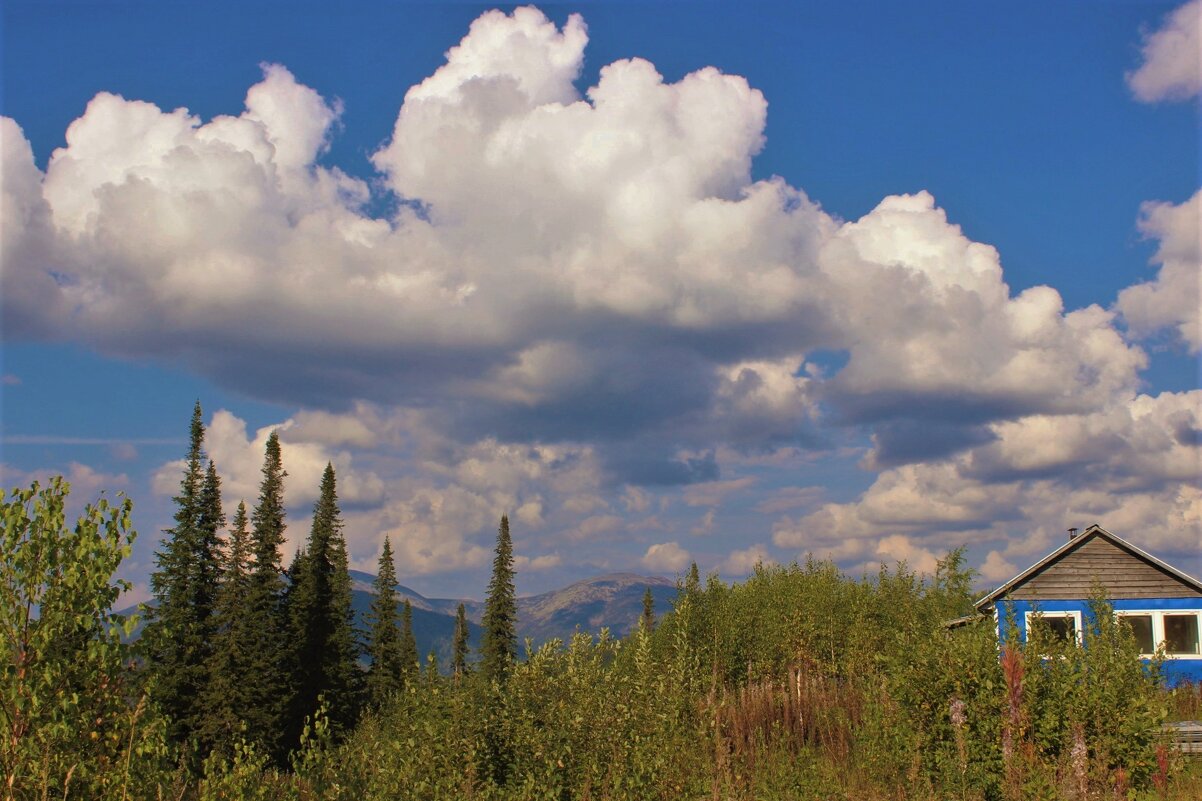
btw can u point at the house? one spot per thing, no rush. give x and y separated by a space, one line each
1161 604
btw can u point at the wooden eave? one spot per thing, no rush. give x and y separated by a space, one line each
1073 544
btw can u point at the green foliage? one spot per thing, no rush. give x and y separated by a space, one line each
1100 693
384 642
73 717
498 647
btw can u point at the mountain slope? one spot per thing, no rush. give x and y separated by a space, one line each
614 601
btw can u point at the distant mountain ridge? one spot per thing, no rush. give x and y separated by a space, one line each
613 601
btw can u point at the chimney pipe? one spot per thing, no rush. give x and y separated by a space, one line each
1072 532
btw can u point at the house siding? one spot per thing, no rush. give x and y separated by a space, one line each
1122 574
1174 669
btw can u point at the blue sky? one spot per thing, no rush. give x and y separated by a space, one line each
653 311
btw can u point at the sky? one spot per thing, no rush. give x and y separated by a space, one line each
664 282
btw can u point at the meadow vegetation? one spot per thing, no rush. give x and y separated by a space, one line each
799 683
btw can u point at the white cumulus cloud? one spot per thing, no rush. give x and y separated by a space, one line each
1172 58
666 556
1173 300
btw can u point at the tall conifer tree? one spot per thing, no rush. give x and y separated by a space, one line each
226 699
319 606
410 661
498 648
180 628
648 620
267 685
384 641
459 644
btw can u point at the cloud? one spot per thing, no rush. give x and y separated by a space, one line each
787 498
10 380
942 340
666 556
86 482
740 563
711 493
580 302
238 457
1172 58
433 530
899 548
1174 299
597 526
996 568
593 268
544 562
1134 467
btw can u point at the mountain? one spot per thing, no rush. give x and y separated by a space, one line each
614 601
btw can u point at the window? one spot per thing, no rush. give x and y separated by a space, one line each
1181 634
1141 628
1177 629
1065 626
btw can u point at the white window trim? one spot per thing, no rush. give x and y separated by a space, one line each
1075 615
1158 627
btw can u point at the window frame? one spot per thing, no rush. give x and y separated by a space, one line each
1158 640
1074 614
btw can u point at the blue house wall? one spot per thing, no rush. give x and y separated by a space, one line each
1133 581
1175 668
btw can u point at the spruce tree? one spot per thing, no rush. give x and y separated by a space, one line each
459 644
383 637
692 582
345 691
498 647
648 620
180 629
267 685
319 610
410 661
226 698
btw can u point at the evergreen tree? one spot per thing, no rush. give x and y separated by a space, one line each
346 678
384 641
324 646
226 697
692 583
267 686
498 648
410 661
648 620
180 629
459 654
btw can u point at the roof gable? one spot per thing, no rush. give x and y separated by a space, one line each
1070 570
